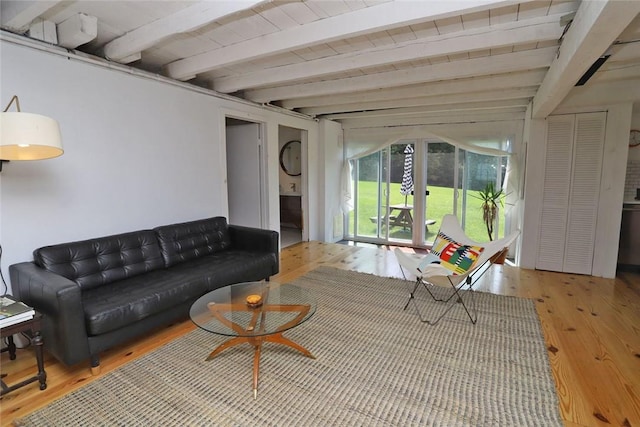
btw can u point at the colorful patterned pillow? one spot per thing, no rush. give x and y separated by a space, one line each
456 257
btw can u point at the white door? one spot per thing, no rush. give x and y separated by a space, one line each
586 172
244 175
571 192
556 190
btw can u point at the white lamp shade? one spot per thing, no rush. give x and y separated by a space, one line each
27 136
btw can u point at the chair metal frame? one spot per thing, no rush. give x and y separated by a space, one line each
437 275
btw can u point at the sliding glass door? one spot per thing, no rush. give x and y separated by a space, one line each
369 188
402 192
383 208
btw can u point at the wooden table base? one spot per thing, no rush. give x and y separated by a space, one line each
256 342
256 336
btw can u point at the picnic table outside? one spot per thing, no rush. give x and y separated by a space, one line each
400 216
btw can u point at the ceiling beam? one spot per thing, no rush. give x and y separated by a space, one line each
454 98
595 27
513 33
494 128
18 15
77 30
496 82
433 119
370 19
189 19
496 64
433 109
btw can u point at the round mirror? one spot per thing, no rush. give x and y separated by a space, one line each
290 158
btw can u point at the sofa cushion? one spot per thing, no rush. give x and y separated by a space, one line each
95 262
189 240
112 307
230 266
109 308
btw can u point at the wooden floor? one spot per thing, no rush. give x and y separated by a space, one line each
591 327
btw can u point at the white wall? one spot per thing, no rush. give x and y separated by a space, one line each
138 153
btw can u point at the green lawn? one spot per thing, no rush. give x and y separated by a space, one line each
439 203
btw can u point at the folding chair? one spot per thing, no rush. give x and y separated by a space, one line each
456 262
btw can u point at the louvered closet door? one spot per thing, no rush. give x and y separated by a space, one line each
571 192
585 192
555 199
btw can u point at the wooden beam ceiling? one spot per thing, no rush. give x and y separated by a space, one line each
128 47
484 66
385 62
378 18
398 105
369 99
513 33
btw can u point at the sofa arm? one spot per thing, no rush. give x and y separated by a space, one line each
59 301
256 240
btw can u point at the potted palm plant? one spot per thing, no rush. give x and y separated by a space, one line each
490 197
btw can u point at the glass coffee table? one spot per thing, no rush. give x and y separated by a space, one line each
254 313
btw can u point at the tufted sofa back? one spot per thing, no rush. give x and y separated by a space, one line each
95 262
188 240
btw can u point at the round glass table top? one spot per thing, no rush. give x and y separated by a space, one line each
253 309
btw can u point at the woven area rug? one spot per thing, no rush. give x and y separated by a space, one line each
376 365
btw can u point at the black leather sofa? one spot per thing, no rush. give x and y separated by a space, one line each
97 293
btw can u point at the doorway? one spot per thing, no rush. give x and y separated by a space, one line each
292 181
246 189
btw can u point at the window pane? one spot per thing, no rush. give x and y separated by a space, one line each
401 191
440 185
480 171
368 194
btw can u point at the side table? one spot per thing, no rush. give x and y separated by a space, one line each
32 326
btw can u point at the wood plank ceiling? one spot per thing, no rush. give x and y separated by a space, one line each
365 63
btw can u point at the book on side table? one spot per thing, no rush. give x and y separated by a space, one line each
12 312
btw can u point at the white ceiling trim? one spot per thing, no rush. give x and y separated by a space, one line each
595 27
124 49
497 64
520 32
126 69
371 19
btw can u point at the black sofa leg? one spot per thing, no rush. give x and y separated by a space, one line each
95 364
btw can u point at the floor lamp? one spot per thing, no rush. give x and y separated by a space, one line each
26 136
